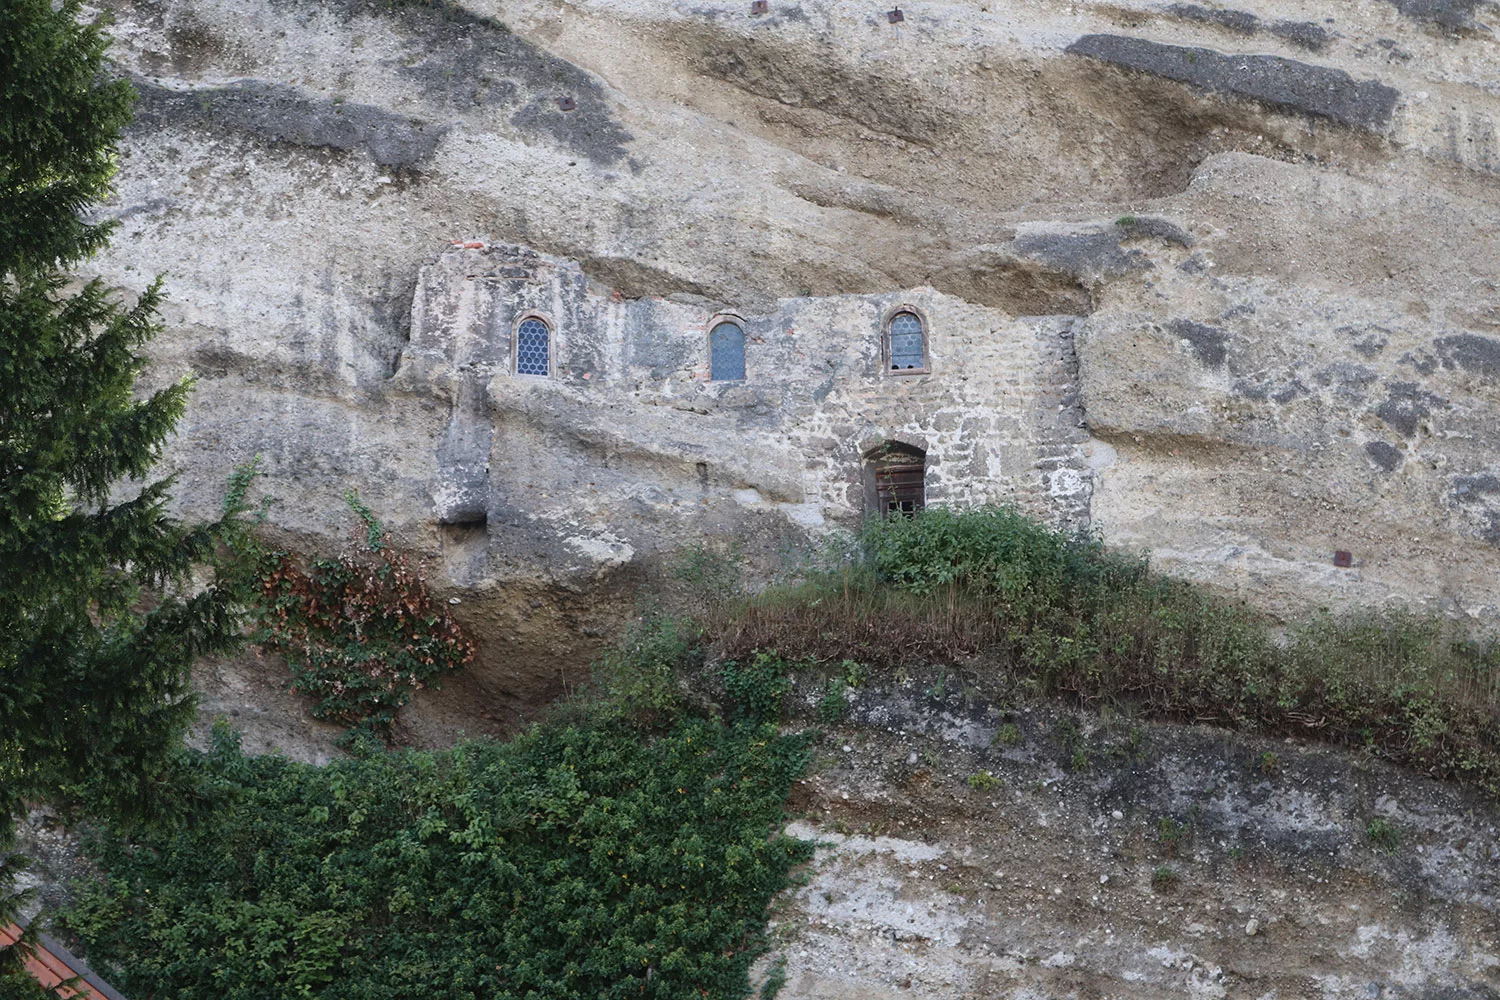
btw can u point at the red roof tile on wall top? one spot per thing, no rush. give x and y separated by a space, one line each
52 964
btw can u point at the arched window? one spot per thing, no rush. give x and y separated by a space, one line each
533 347
898 475
726 352
906 342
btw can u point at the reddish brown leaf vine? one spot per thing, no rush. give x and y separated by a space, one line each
360 632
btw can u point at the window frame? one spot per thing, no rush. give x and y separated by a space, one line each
714 323
878 459
515 344
885 341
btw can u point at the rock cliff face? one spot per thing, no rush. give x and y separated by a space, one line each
1218 280
1221 282
1162 862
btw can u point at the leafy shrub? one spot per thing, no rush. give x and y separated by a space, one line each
756 689
640 676
983 781
997 551
834 704
360 632
580 860
1165 879
775 980
851 673
1411 687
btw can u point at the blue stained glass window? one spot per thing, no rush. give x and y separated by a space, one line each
907 348
726 352
532 345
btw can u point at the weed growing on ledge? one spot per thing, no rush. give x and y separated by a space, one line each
833 705
1170 834
641 677
1384 834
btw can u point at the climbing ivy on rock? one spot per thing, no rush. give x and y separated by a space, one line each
360 631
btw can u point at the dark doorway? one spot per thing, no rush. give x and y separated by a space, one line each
898 474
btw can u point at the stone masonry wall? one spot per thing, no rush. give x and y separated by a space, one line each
630 447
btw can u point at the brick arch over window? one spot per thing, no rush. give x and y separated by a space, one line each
896 478
905 342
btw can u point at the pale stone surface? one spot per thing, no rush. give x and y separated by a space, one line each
1037 886
1293 393
1288 348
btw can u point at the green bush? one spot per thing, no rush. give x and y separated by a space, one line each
756 689
996 551
582 860
1411 687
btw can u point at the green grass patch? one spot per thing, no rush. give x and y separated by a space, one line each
1030 611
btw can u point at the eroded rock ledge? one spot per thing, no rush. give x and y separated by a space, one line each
970 852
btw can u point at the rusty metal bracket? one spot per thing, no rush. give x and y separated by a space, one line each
566 103
895 16
1343 559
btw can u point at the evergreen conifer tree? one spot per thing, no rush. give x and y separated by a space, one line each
99 619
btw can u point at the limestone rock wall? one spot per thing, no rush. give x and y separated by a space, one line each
1265 232
1221 279
1322 383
